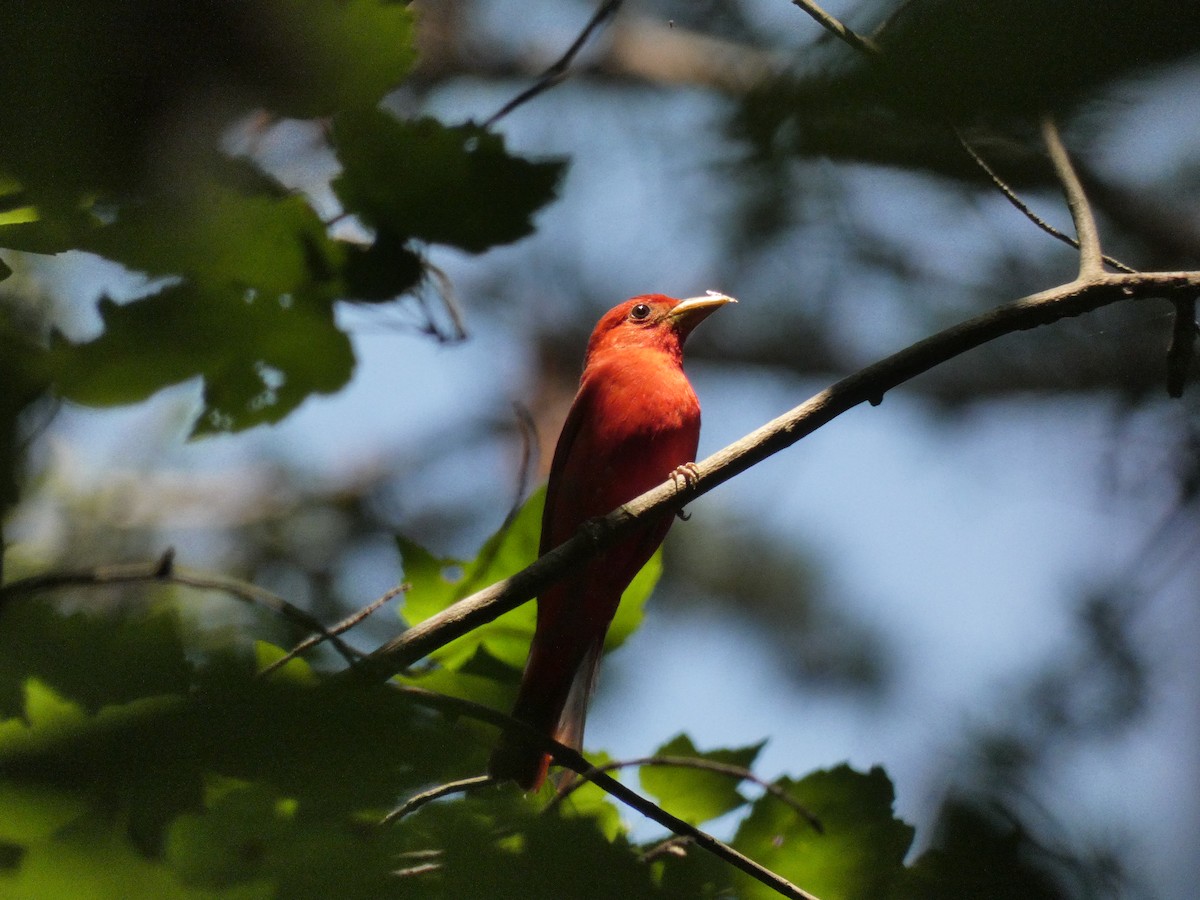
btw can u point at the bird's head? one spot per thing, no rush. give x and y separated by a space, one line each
653 321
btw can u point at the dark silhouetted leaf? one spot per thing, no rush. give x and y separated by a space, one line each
427 181
259 356
98 94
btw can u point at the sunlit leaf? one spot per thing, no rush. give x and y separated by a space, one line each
696 795
436 583
295 670
97 862
860 853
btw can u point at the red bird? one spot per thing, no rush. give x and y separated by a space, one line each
634 422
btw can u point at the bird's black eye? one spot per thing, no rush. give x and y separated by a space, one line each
640 311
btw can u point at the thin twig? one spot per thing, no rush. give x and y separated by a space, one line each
859 42
1091 258
340 628
420 869
415 802
1012 197
707 765
867 385
558 72
423 863
565 756
164 571
670 847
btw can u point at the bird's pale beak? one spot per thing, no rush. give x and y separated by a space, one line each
687 314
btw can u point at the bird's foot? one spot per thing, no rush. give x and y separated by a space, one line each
683 477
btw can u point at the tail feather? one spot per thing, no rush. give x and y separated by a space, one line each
573 717
553 699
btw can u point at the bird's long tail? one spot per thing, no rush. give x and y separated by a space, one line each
553 698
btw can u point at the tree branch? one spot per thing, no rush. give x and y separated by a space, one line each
341 627
1091 259
867 385
412 804
741 773
575 761
164 571
1023 207
859 42
559 69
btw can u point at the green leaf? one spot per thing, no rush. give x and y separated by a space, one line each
633 603
589 802
695 795
431 182
260 357
33 813
497 844
295 670
251 311
114 97
437 583
96 862
859 856
76 656
234 228
353 53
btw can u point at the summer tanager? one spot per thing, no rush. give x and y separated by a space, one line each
634 422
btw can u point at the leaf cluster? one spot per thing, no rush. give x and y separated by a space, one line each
119 144
141 756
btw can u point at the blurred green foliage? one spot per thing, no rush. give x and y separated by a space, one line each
141 757
116 146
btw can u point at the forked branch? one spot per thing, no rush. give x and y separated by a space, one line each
1091 259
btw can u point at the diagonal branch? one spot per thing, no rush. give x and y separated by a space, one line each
164 571
558 71
1091 261
859 42
351 621
575 761
741 773
867 385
